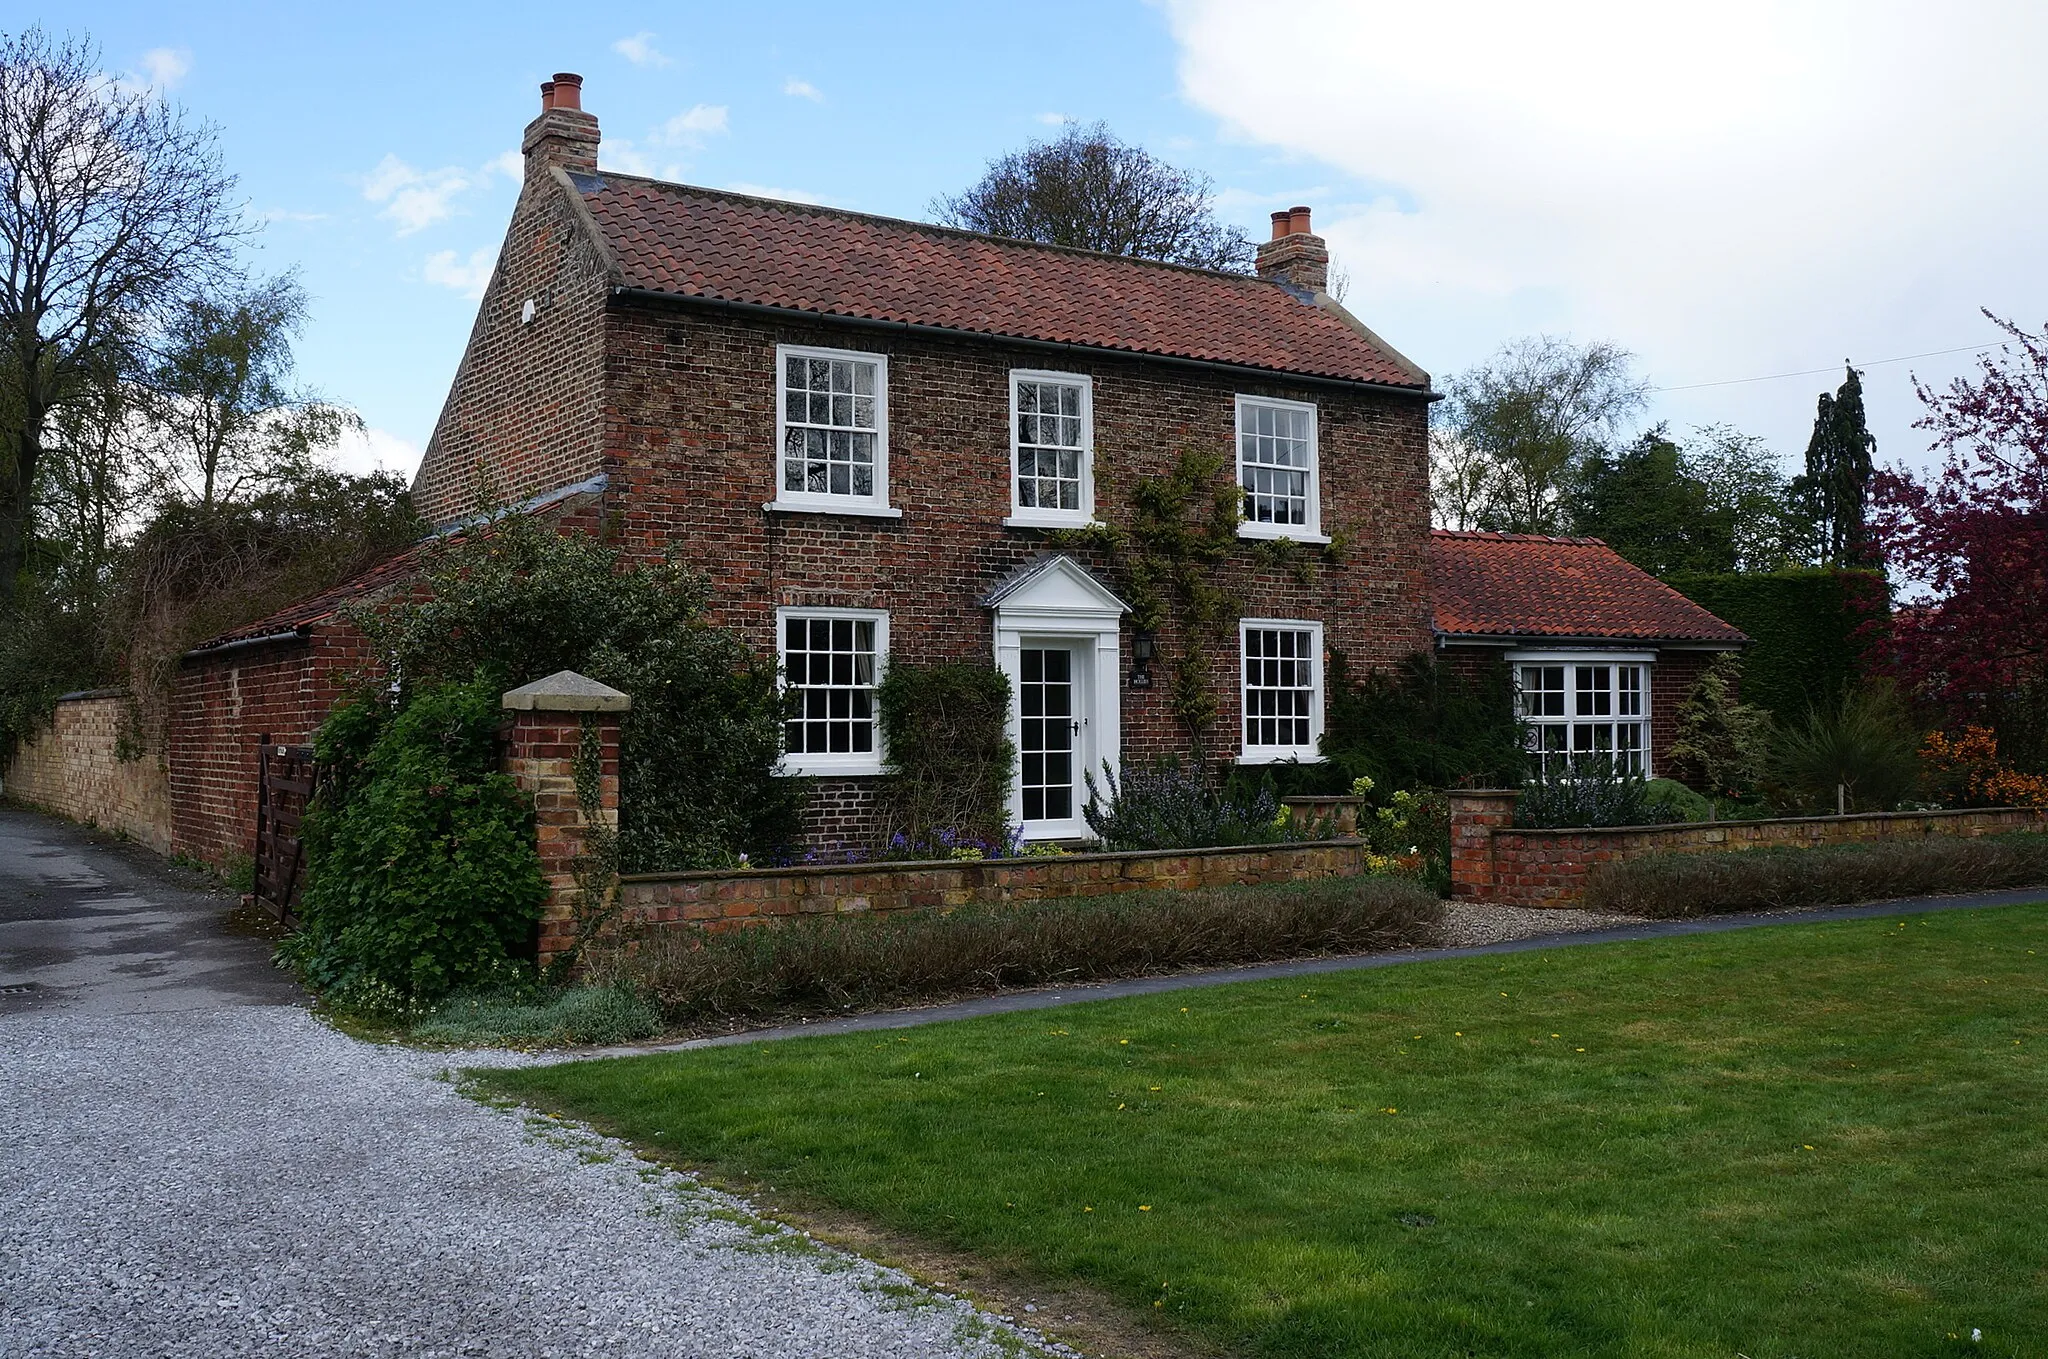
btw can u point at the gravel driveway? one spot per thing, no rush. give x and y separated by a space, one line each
231 1179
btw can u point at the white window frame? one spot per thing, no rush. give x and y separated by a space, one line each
825 762
1312 530
814 502
1035 516
1644 660
1312 752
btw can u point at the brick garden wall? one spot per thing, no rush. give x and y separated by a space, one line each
223 705
1494 862
74 770
723 899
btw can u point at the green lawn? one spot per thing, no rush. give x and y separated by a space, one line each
1818 1140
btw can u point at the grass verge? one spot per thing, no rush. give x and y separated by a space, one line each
1802 1140
857 963
572 1017
1669 886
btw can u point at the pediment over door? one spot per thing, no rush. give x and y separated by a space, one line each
1055 585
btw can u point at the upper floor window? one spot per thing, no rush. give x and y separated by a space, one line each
832 659
832 430
1276 465
1052 448
1586 714
1282 691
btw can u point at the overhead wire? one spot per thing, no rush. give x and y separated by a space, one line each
1815 372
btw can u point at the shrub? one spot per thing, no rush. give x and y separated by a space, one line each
1862 755
575 1016
1167 805
423 874
1965 770
1675 885
1412 825
697 749
1420 725
1720 747
1585 793
946 728
839 964
1670 800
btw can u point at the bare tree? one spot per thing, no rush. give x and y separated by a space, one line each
228 421
111 207
1088 189
1537 410
1464 484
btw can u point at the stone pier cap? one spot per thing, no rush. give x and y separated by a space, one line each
565 691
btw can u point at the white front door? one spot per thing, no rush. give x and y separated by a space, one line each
1055 734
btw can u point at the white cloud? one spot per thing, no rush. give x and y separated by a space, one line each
1054 119
770 191
1729 191
508 163
414 199
166 67
640 50
803 89
467 276
692 127
269 215
627 159
376 450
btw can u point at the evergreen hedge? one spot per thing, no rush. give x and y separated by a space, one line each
1808 630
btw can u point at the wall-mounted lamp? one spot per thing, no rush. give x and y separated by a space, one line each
1143 644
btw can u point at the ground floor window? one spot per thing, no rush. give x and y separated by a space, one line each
1282 690
831 659
1585 713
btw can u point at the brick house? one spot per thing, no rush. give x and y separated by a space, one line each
883 438
1602 653
872 433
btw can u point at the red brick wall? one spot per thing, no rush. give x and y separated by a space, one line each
1511 867
524 403
223 705
714 899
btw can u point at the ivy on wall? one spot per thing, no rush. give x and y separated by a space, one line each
1809 629
946 728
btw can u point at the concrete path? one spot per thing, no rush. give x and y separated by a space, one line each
1012 1002
191 1164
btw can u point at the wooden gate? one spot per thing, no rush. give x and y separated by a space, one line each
285 777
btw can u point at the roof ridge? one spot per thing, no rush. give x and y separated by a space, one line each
913 224
1502 536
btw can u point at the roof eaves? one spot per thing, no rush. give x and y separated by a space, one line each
766 309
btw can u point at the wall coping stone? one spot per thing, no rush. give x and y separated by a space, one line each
1761 821
87 695
871 866
565 691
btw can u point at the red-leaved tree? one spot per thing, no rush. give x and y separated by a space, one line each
1974 535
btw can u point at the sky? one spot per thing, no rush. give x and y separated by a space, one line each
1731 192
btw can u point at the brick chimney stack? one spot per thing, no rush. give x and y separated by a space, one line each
1294 255
564 134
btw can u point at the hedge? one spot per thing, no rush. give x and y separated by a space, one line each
1807 628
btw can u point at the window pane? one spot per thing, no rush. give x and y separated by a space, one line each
1279 687
831 663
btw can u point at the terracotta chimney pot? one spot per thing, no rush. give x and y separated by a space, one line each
569 93
1280 223
1297 224
547 101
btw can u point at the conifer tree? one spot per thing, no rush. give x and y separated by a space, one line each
1835 489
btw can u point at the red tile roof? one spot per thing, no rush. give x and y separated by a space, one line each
702 243
1525 585
301 615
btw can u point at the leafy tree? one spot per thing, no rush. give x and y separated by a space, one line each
112 207
1974 537
226 419
1835 488
1646 504
1536 412
1769 527
1087 189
